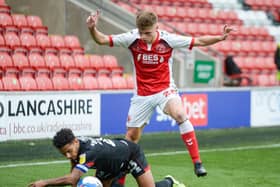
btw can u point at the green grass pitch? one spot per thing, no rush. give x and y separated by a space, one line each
246 157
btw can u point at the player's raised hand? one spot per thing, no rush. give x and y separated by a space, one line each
226 31
93 19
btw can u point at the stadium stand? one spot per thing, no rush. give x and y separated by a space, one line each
32 59
253 44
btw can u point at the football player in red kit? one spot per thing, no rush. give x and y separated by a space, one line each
152 53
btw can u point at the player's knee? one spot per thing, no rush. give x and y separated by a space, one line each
132 136
179 117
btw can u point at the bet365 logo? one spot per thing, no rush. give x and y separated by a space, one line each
196 106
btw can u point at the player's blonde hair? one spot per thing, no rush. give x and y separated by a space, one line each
146 19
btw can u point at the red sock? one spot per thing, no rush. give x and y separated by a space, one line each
190 141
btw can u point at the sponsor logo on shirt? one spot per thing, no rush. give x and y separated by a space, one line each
150 58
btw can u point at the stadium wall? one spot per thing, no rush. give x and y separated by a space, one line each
35 115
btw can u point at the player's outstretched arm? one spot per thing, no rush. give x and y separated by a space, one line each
209 40
98 37
71 179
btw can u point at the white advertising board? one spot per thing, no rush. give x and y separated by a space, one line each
265 107
33 115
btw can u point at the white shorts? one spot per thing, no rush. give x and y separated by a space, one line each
142 107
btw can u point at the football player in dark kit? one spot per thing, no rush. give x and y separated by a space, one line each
110 157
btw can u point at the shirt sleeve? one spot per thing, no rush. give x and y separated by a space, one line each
178 41
122 40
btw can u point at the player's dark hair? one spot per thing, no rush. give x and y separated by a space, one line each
146 19
63 137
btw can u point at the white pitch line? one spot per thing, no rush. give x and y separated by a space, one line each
153 154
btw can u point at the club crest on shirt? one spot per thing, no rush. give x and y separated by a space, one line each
82 158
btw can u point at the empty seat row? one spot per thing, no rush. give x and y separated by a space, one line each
265 5
205 15
12 39
21 21
263 65
242 32
26 81
246 48
51 60
260 80
189 3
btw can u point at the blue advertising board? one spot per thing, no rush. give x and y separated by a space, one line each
206 110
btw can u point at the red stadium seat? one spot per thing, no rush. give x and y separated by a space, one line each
43 81
272 79
19 20
203 28
2 40
3 2
57 41
10 80
263 80
27 81
270 65
43 40
249 64
213 29
52 61
90 81
75 81
191 29
20 60
192 14
28 40
103 79
36 60
119 82
1 85
96 61
5 19
81 61
5 60
12 39
129 81
36 23
59 80
110 61
67 62
181 13
5 9
72 41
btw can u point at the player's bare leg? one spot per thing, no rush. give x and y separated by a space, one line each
175 109
134 134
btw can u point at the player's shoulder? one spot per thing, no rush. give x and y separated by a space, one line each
165 35
132 32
